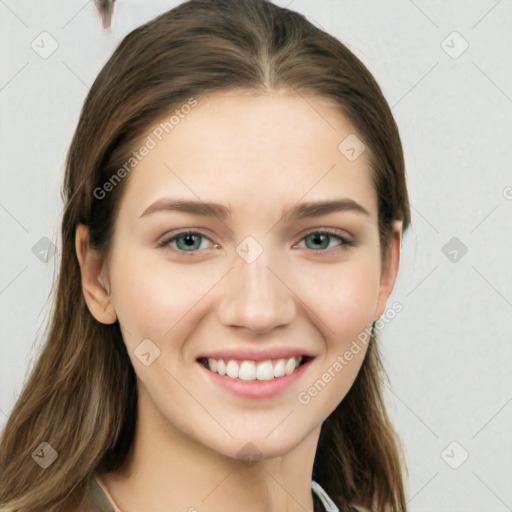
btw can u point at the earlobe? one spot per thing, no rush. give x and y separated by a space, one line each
94 288
389 269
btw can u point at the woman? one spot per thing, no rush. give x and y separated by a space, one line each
235 198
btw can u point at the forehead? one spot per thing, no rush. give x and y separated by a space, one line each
251 151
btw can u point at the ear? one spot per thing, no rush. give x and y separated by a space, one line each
94 287
389 269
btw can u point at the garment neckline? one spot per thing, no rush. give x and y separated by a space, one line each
107 500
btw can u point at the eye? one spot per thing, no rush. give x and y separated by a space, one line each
186 241
322 238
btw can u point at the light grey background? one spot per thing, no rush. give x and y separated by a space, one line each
449 352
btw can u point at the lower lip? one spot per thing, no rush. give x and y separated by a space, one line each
257 388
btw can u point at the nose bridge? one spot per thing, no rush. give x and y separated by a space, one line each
255 296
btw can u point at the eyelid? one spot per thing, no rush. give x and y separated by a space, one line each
172 235
340 233
347 241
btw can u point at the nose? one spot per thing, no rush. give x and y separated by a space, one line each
256 296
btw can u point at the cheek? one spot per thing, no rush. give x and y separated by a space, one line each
153 298
347 309
343 295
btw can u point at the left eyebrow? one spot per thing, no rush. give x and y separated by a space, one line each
296 212
317 208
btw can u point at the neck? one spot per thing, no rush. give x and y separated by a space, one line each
169 469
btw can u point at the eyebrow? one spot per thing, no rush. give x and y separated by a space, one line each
296 212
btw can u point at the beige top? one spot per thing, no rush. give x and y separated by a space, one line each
103 501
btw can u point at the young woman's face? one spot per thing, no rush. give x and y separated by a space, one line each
249 283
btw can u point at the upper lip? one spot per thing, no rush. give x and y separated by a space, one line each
256 354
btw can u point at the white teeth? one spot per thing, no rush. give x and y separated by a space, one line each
232 369
251 370
264 370
247 371
279 368
289 366
221 367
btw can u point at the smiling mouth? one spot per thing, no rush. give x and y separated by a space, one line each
247 370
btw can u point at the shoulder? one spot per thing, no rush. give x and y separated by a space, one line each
97 500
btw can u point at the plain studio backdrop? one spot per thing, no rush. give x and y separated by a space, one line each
446 70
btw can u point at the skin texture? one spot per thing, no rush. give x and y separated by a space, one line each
258 155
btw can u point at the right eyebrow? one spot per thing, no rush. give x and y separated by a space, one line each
206 209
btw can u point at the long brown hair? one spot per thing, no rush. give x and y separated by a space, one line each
81 396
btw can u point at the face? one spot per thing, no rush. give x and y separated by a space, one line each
250 282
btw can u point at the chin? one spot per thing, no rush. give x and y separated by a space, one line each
258 447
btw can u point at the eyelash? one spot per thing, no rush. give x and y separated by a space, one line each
345 242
